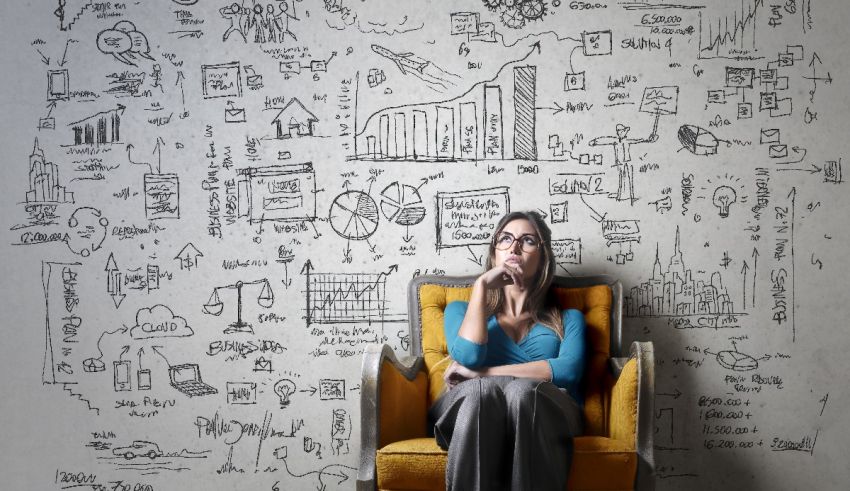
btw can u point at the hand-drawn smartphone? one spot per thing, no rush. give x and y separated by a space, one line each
121 375
144 379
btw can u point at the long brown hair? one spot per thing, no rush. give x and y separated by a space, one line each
541 301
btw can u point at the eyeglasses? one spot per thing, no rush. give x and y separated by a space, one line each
528 242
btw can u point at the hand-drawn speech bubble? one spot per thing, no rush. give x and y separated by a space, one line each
124 42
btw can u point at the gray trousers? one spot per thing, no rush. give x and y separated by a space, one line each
506 433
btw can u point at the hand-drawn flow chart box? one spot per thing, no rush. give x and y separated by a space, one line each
596 43
222 80
469 217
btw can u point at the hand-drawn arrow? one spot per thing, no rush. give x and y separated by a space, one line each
44 59
596 216
674 395
312 390
113 281
50 108
555 110
476 259
797 150
124 351
122 330
157 149
155 350
65 54
564 268
130 146
744 270
755 275
140 353
407 237
813 170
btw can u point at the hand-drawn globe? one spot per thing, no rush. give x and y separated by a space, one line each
354 215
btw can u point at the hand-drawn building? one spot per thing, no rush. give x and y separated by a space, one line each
44 180
675 292
298 120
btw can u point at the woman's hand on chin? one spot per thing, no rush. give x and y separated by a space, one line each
509 273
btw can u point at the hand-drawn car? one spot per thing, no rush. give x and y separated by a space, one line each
137 449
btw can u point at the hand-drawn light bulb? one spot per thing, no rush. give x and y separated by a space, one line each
723 197
284 388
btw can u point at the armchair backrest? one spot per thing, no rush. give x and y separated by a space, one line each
599 298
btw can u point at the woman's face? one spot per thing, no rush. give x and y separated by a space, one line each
524 249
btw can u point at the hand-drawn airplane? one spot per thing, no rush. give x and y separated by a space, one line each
402 60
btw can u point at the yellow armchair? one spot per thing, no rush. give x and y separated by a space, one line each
614 453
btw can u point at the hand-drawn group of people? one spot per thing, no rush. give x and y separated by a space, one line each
264 23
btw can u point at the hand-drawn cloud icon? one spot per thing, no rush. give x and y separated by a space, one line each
159 322
124 42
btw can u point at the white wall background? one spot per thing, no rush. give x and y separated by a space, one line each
114 246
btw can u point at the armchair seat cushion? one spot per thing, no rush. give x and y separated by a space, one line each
599 463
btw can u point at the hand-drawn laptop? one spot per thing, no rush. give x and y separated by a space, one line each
187 379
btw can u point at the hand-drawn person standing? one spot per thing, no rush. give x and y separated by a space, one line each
258 23
233 13
623 158
271 23
513 402
60 12
282 20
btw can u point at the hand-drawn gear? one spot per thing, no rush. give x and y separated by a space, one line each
533 9
492 5
513 18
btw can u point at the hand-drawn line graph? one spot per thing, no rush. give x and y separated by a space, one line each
737 33
347 297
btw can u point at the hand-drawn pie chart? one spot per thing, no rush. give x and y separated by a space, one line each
354 215
402 204
735 360
93 365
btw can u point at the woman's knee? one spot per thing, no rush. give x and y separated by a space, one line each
484 391
521 392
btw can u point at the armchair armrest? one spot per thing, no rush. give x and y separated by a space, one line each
631 411
644 353
410 385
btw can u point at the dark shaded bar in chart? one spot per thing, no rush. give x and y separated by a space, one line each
525 146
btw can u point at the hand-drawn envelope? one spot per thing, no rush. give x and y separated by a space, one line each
769 136
778 151
234 115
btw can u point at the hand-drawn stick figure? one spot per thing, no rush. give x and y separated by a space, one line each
622 158
234 14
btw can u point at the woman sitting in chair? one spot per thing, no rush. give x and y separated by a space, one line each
513 402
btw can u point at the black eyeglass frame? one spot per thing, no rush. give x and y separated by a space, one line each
496 239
